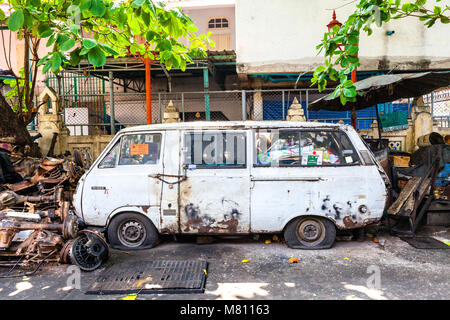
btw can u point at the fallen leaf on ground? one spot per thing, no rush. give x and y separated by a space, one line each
244 261
275 238
294 260
267 242
148 279
375 239
130 297
205 272
347 259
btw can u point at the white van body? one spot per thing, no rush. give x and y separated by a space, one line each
181 196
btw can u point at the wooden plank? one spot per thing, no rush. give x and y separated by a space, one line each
404 195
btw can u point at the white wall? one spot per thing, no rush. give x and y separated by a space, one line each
202 16
281 36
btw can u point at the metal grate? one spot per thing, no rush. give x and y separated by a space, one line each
425 243
163 276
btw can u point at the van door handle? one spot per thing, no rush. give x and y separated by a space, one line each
160 175
289 179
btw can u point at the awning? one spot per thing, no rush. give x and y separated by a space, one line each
386 88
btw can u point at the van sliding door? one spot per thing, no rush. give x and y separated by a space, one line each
214 196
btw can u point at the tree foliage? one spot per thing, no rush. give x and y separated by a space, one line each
340 44
94 29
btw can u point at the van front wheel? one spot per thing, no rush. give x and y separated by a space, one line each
310 233
132 231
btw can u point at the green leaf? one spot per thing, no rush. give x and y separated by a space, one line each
2 15
350 92
183 65
420 2
108 49
96 57
146 18
75 57
406 7
353 39
42 61
343 99
335 93
15 21
67 45
348 83
152 8
44 30
352 50
319 69
89 43
56 62
137 3
345 62
150 35
97 9
165 45
85 5
51 40
28 19
74 28
445 20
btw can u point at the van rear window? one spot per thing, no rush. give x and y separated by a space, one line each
303 148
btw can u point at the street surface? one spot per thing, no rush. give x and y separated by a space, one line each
343 272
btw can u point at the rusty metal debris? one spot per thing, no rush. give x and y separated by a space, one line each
36 219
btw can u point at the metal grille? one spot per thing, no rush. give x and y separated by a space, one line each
440 106
164 276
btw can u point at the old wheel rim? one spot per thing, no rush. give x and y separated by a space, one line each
311 231
131 233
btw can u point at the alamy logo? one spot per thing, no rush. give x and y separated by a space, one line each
74 279
374 280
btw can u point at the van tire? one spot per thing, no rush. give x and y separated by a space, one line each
321 233
132 231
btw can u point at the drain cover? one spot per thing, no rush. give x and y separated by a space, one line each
163 276
425 243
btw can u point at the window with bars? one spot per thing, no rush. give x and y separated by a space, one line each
218 23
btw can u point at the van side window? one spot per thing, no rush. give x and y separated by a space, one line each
140 149
277 147
303 148
348 152
215 149
110 160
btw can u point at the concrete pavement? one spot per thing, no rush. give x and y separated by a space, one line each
346 271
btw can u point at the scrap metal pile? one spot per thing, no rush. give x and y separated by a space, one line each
421 184
37 223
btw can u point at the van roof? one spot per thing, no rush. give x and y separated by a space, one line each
196 125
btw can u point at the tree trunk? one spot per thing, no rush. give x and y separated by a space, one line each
13 127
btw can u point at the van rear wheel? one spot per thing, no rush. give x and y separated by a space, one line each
132 231
310 233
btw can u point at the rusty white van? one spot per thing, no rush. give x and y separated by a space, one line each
208 178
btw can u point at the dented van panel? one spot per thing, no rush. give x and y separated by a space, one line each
248 177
